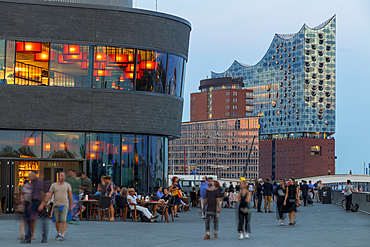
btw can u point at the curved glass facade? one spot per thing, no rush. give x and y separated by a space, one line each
137 161
294 83
90 66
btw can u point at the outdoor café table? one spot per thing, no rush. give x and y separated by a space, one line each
87 203
153 204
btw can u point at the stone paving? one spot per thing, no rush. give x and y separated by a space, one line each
318 225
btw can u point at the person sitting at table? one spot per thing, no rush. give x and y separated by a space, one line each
102 187
117 191
167 196
132 200
124 192
159 192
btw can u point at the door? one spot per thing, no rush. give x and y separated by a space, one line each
7 178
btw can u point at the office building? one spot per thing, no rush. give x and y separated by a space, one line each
294 96
94 86
216 147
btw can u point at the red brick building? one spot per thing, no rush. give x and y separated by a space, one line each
296 157
221 98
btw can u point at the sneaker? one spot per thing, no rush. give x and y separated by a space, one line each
70 222
246 235
61 238
25 241
241 236
156 216
44 240
282 223
216 235
207 237
58 237
265 211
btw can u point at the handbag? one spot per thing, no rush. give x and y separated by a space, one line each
179 193
175 192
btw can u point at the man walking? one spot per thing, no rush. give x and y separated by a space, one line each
212 200
203 190
267 192
304 188
62 192
259 195
75 185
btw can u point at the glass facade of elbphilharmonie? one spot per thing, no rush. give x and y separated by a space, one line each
294 84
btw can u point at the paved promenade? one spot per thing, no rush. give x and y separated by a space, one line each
318 225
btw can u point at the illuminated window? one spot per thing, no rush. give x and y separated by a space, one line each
315 150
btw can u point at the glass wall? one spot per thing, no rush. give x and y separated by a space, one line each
70 65
155 162
114 68
63 145
20 144
151 71
134 161
103 157
174 74
2 61
76 65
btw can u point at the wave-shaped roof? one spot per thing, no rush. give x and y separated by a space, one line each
282 36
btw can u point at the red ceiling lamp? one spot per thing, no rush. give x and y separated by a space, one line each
92 156
43 56
47 147
148 65
100 57
76 58
131 57
130 75
119 59
131 67
29 47
71 50
102 73
28 141
62 61
84 65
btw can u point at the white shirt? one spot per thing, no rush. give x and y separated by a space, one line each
250 187
131 199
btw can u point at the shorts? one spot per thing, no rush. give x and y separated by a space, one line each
60 216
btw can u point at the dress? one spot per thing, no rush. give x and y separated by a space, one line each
177 199
292 194
113 198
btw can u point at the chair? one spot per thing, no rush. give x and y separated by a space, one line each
129 210
120 205
170 207
164 212
103 205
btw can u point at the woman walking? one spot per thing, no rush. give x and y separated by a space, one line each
291 197
280 192
112 195
244 211
176 190
348 194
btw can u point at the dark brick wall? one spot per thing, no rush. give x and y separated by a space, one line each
80 109
293 158
62 22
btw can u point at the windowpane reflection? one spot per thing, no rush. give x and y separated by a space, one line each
102 157
134 161
114 68
20 144
155 162
70 66
174 74
63 145
151 71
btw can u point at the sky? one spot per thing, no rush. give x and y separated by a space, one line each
224 31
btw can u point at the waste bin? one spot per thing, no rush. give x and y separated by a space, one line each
326 195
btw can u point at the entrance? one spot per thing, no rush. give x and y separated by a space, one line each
13 174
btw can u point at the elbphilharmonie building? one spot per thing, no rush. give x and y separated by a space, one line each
294 95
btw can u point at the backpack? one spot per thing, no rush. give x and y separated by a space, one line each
355 208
